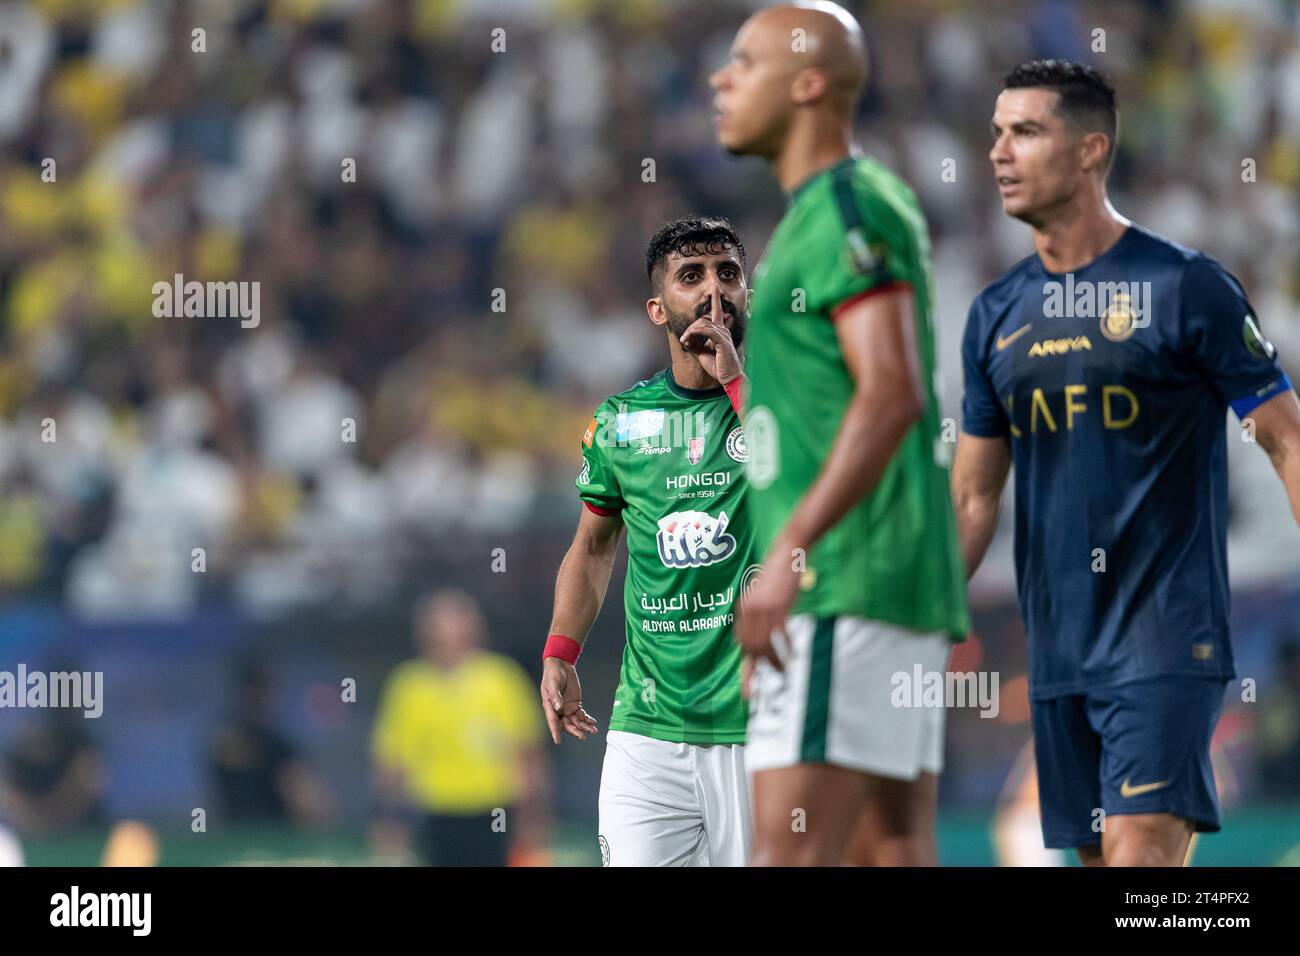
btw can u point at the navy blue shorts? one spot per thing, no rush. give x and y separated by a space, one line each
1141 747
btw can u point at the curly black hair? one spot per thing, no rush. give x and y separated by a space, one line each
1087 99
694 235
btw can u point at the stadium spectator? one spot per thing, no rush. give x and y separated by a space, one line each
53 778
259 775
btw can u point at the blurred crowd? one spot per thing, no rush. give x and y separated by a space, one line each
445 203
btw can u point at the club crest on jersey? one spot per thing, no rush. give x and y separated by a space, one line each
1117 322
695 450
736 445
693 539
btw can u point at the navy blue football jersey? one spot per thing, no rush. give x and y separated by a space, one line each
1112 384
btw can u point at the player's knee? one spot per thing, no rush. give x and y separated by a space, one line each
914 850
785 855
1138 852
1155 842
801 849
1090 855
1133 853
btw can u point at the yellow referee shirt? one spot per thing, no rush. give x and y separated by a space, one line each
456 735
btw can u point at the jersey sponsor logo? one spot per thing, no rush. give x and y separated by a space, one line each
1060 346
690 481
749 577
1127 790
650 448
736 444
1119 409
764 446
1259 346
589 434
1118 322
584 476
714 601
630 426
695 450
694 539
1005 340
604 849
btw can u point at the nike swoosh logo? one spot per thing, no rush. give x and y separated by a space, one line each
1127 791
1004 342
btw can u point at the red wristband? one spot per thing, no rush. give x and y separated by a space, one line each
732 389
565 648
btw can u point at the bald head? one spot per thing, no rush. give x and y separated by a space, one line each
822 36
800 65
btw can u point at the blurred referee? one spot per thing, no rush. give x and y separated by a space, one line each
460 778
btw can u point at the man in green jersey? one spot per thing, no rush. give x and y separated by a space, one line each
664 460
862 587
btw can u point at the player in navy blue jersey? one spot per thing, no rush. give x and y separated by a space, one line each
1103 366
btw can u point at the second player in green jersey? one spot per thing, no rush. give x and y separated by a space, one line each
861 583
850 232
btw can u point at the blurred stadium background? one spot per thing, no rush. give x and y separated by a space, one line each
477 170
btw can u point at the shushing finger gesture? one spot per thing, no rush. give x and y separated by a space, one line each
710 341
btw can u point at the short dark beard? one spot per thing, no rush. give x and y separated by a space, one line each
678 324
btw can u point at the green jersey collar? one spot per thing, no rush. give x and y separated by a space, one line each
828 171
694 394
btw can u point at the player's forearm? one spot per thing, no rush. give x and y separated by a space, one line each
580 590
1286 459
875 424
1277 429
977 520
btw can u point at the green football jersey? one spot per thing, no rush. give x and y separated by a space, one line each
849 231
671 461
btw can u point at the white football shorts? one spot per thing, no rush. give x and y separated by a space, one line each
837 700
671 804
